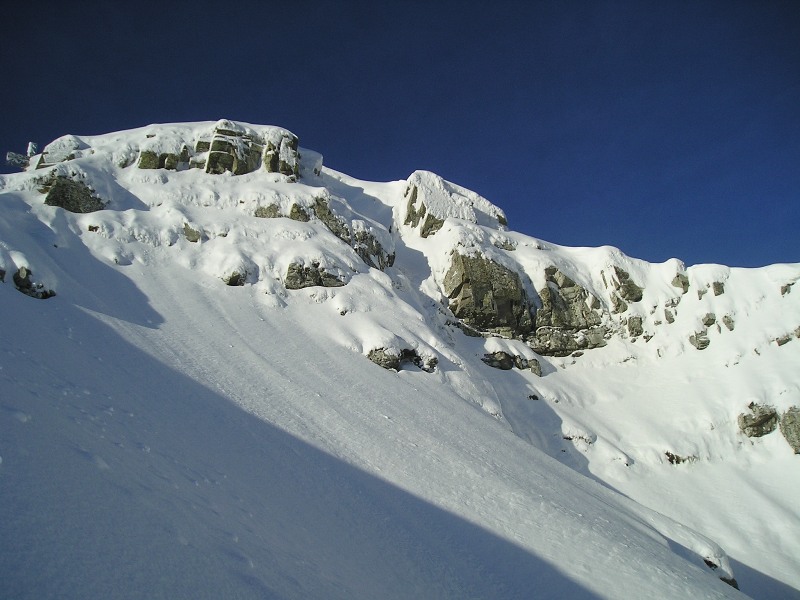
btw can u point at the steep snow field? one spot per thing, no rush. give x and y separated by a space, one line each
163 434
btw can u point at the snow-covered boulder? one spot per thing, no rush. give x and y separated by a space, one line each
430 200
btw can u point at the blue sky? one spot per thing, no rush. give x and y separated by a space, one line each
663 128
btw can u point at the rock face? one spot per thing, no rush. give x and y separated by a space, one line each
487 296
761 420
74 196
569 319
626 290
299 276
790 427
228 148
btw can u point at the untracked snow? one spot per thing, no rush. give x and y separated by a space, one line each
165 435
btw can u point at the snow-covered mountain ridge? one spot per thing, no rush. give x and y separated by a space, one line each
231 255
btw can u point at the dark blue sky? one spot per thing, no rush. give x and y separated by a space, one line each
663 128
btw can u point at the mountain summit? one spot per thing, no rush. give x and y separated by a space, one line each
230 371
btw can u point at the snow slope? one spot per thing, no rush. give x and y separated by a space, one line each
163 434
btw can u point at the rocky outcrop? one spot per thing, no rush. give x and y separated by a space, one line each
681 281
73 196
506 361
761 420
24 283
416 212
487 296
300 276
700 340
393 360
790 427
430 200
626 290
569 318
228 148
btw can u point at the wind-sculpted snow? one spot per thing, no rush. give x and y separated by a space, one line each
194 414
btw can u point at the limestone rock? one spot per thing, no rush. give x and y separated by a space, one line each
681 281
709 319
700 340
385 358
635 326
762 420
23 283
501 360
626 288
273 211
430 200
727 320
299 276
393 360
566 322
192 235
535 367
669 315
74 196
565 304
487 296
331 220
718 288
790 427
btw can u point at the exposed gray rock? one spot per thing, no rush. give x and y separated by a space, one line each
790 427
298 213
727 320
709 319
535 367
369 249
635 326
787 288
236 149
669 315
391 359
565 304
273 211
332 221
23 282
148 160
299 276
701 292
676 459
627 289
487 296
499 360
385 358
761 420
74 196
700 340
681 281
566 322
192 235
718 288
784 339
235 279
414 214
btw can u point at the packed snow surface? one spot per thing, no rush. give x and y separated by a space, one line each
165 435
